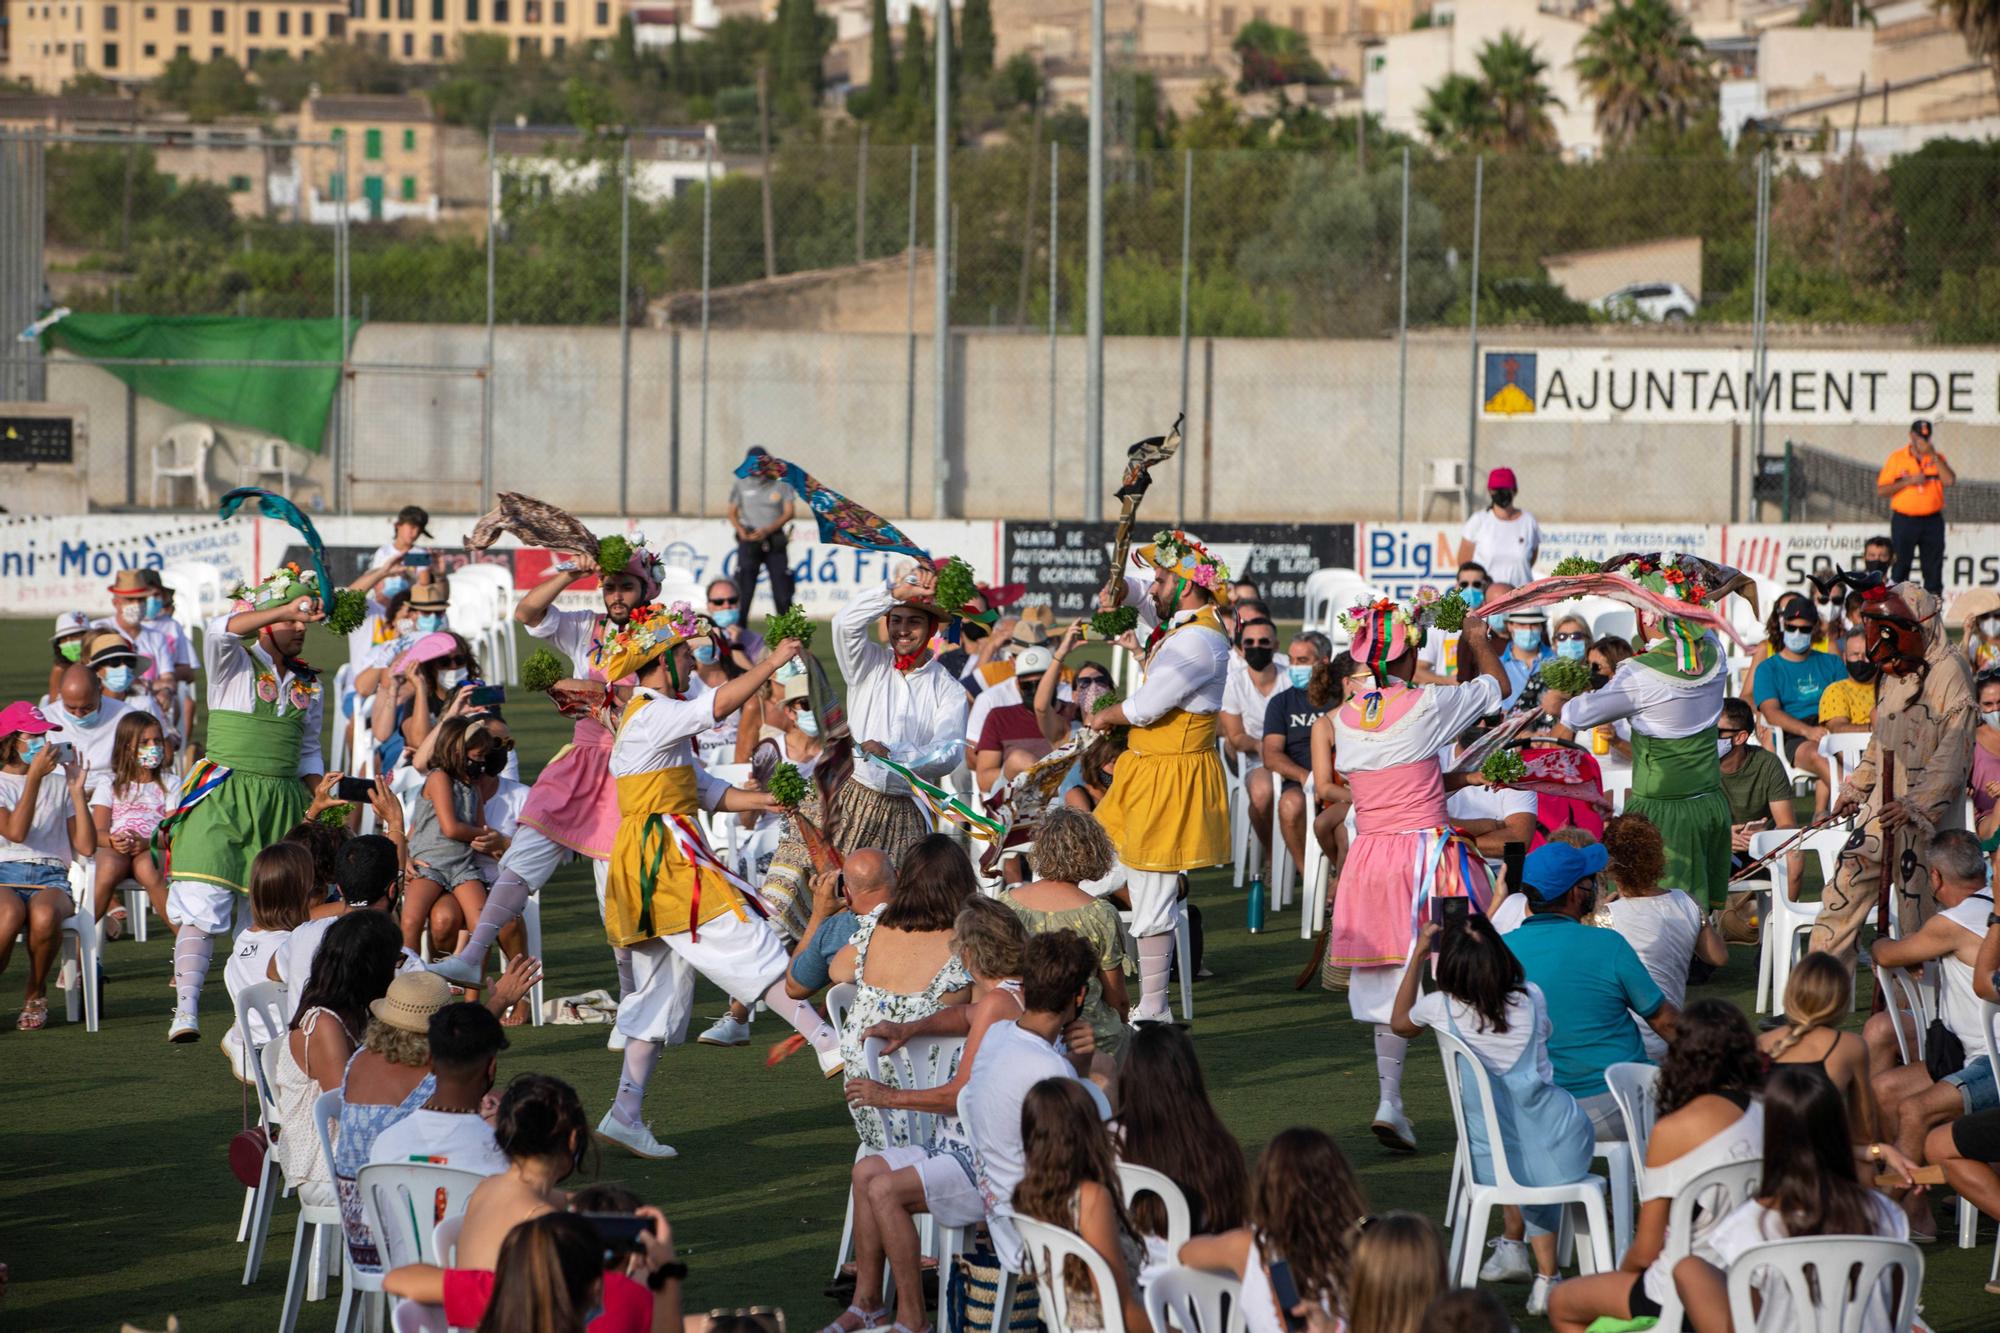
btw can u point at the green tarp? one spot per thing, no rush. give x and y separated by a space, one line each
289 402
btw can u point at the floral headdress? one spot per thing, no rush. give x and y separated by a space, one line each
1175 551
627 554
287 583
652 630
1675 577
1382 630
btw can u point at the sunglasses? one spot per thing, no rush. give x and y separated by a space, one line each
458 661
1572 636
1475 583
1825 601
1260 643
1802 625
725 601
1732 731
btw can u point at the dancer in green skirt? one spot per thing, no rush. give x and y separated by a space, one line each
1672 692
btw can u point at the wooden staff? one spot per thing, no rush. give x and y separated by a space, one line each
1141 458
1888 849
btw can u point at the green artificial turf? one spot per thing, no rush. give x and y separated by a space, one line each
116 1200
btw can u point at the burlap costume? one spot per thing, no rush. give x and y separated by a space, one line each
1927 720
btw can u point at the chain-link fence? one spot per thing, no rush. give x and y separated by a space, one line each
1355 331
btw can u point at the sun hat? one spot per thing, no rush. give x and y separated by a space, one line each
413 997
68 623
652 630
428 648
1033 661
1176 552
24 719
433 596
1554 868
135 583
107 646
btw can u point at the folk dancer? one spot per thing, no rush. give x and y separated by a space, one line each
1672 693
1389 742
669 901
1166 811
262 767
1925 716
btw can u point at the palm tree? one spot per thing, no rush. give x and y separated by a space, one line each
1979 21
1458 115
1642 65
1512 75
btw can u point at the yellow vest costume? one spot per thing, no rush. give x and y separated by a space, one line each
1167 809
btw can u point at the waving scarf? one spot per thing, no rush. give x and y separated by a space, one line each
841 521
272 505
536 523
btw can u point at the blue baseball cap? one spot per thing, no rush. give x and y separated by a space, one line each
1554 868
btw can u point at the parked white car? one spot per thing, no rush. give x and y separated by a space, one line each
1656 302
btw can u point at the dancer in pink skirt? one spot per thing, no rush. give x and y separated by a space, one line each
1388 744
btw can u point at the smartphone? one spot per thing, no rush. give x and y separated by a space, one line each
1450 913
487 696
416 559
65 752
618 1232
1512 856
1287 1292
354 789
1757 825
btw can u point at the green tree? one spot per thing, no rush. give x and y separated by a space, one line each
1643 66
1458 115
913 76
1217 121
976 41
1273 56
881 54
1979 21
1936 192
1512 74
472 85
799 47
1834 14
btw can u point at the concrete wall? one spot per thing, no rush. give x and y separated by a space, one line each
1280 429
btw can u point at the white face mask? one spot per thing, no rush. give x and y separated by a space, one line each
1722 749
1829 611
1797 640
129 614
1991 720
1990 627
451 678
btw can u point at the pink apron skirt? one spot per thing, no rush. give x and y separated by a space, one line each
1404 854
575 802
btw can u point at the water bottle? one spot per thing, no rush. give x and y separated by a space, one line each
1256 913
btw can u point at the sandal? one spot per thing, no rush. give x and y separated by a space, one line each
867 1319
114 924
34 1015
516 1014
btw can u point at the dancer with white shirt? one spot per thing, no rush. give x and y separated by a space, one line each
1167 812
1388 741
262 766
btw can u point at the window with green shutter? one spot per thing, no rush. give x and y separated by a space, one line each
409 141
410 188
372 145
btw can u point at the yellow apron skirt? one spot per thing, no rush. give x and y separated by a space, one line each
1166 810
652 888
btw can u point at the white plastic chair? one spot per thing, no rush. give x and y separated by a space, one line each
1194 1301
78 955
1328 593
268 457
1788 918
1911 1005
922 1063
1315 877
1047 1248
343 728
1843 751
1474 1206
318 1225
353 1284
1632 1087
1831 1280
839 999
1134 1180
1968 1216
1447 481
400 1203
267 1000
182 453
1715 1191
197 588
444 1239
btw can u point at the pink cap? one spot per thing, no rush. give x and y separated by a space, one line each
426 649
1367 648
24 719
1501 479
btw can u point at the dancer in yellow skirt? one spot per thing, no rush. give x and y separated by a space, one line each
668 898
1166 811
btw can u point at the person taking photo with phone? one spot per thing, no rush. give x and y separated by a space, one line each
44 820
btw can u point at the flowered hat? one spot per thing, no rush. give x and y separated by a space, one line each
1677 577
652 630
643 564
1177 553
287 583
1384 629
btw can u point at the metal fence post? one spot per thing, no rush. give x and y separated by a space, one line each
1055 299
861 200
941 330
910 350
1187 241
1760 300
1472 342
707 247
625 330
1403 341
486 382
1093 294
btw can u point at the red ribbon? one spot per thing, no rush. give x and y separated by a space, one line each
909 661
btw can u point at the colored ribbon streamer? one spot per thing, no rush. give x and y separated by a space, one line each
842 522
943 804
272 505
201 782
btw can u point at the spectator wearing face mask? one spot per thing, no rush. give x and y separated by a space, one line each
1527 649
1789 686
1978 615
1502 537
725 608
1248 691
1986 758
118 669
1760 795
88 720
1849 705
1288 724
1437 660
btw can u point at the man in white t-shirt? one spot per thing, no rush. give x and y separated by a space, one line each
448 1129
1492 816
1254 679
1504 539
1437 660
88 721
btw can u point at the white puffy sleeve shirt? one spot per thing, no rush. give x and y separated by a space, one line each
918 715
232 667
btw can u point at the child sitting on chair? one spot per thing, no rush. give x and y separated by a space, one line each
448 829
127 806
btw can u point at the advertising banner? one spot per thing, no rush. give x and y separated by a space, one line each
1717 384
1064 564
1398 558
66 563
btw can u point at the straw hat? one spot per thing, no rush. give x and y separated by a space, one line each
413 997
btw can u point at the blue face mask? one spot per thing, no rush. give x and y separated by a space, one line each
1527 640
1571 650
118 679
429 624
155 608
704 653
92 718
1498 624
1798 640
807 723
724 617
1300 674
1472 597
392 585
31 747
